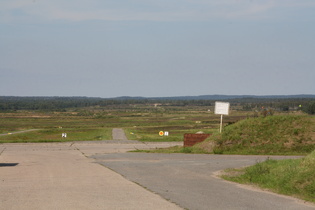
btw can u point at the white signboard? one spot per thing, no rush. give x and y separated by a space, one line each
222 108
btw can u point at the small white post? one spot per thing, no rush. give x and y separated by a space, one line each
221 123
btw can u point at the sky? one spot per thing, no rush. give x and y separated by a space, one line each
149 48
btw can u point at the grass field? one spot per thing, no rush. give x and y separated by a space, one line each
243 134
144 124
50 127
139 124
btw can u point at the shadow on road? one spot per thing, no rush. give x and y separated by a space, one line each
8 164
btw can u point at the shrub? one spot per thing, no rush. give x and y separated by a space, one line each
310 108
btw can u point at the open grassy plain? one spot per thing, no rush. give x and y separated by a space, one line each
245 132
50 126
140 122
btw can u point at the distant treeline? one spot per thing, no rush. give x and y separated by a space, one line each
247 103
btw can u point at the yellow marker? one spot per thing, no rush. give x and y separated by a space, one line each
161 133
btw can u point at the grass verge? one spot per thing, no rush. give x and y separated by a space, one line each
294 177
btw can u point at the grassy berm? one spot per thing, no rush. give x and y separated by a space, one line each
272 135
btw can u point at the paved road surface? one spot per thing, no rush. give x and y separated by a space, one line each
119 134
189 181
60 176
100 175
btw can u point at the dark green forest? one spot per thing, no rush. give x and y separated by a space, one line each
305 103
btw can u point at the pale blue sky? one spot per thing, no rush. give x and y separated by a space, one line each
109 48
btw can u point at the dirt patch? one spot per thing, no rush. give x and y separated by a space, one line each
207 146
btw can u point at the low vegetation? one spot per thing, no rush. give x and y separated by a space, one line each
55 135
140 122
175 149
294 177
281 134
50 126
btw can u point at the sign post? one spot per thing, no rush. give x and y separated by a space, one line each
221 123
221 108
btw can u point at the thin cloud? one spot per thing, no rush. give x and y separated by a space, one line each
171 10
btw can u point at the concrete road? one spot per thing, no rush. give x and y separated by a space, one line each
100 175
189 181
60 176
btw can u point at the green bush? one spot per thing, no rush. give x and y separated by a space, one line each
310 108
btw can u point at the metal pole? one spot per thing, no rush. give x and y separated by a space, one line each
221 123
